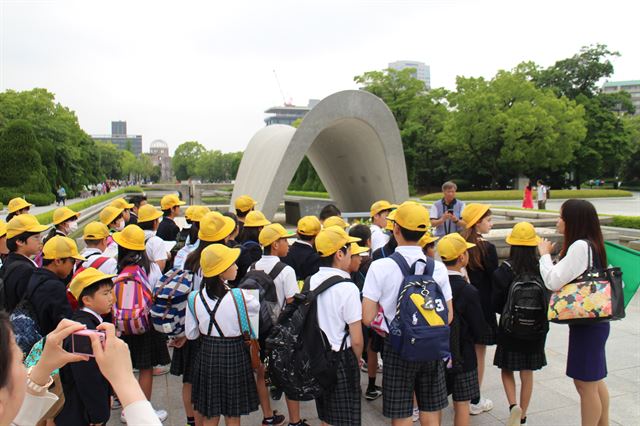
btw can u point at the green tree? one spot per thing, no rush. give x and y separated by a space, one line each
631 165
185 159
305 178
19 147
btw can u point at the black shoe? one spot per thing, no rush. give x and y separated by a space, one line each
302 422
275 420
373 393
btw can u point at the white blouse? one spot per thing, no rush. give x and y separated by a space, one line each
569 268
226 316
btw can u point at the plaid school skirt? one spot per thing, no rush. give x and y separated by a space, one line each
223 382
183 359
148 349
518 361
341 407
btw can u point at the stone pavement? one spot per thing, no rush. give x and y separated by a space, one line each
555 400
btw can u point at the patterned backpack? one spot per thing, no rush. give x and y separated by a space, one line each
133 301
170 301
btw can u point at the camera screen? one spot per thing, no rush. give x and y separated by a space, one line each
81 345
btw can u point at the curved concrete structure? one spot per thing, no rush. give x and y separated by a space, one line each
351 139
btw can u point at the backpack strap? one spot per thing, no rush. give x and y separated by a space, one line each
99 262
402 264
275 271
243 316
191 302
306 285
328 283
212 314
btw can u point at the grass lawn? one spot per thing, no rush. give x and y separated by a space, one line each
517 194
311 194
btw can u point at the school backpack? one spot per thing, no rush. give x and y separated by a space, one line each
300 361
525 313
25 322
170 301
97 263
419 331
269 306
133 301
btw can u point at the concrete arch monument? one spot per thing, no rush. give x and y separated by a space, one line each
352 141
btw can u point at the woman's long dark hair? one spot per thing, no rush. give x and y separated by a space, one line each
581 222
192 263
128 257
524 260
479 251
6 355
215 287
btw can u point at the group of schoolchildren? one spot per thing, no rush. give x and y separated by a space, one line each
429 320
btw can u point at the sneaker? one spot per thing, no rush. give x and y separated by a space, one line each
374 393
275 420
161 370
302 422
482 406
514 416
363 366
162 414
416 414
380 365
523 422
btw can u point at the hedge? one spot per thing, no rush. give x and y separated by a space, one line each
516 194
311 194
47 217
38 198
626 222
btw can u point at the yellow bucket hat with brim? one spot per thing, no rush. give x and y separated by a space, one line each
60 247
170 201
121 203
255 219
451 246
357 250
131 237
381 205
86 278
332 239
390 220
473 212
523 234
17 204
272 233
3 228
309 226
335 221
109 214
148 213
198 213
217 258
24 223
63 213
95 231
244 203
427 238
215 226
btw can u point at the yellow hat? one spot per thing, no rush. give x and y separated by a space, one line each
309 226
188 211
3 228
255 218
60 247
217 258
95 231
332 239
109 214
84 279
412 216
390 219
214 226
335 221
451 246
147 213
523 234
472 213
131 237
198 213
63 213
427 238
169 201
16 204
244 203
272 233
24 223
356 249
121 203
381 205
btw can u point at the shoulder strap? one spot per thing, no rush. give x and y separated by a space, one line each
306 285
191 302
98 262
277 268
212 314
329 282
504 262
402 263
243 316
429 267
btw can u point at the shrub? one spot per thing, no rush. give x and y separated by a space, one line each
39 199
311 194
626 222
517 194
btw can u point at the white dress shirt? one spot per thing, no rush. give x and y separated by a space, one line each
109 267
378 237
286 283
573 265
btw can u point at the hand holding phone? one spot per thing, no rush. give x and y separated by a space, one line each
81 342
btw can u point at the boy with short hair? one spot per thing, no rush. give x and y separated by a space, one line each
302 256
96 238
170 206
379 212
468 319
402 378
339 317
24 241
86 391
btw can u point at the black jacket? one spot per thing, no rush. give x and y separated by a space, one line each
86 391
466 305
482 280
359 276
386 250
16 272
133 218
303 258
250 253
168 230
49 299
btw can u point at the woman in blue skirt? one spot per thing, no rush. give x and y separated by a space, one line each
586 361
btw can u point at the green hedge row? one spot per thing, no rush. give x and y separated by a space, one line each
516 194
39 199
626 222
312 194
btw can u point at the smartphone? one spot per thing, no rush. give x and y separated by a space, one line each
81 342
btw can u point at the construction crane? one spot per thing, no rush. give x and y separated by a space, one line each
284 100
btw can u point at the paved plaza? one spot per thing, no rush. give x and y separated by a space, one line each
555 401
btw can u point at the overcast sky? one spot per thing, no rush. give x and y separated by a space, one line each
187 70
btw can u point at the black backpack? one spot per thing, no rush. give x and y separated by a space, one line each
525 313
300 360
269 306
4 274
25 322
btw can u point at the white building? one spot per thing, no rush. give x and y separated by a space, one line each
631 86
423 71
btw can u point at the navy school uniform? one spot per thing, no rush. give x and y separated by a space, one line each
482 279
303 258
16 272
168 230
49 299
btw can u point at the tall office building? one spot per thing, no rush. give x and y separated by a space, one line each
121 139
423 71
631 86
287 114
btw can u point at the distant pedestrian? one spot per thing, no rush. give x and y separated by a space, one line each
542 195
61 196
527 201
